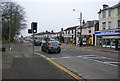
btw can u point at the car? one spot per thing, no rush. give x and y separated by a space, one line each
37 42
51 46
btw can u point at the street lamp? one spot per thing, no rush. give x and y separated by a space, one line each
80 37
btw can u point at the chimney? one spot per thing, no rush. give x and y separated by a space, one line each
105 6
61 29
51 31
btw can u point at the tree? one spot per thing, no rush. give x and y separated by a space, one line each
13 19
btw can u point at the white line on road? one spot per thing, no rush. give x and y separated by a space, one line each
65 57
87 55
78 56
96 57
112 62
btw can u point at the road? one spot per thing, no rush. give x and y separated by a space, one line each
87 63
21 63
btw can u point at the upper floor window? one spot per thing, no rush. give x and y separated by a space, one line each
72 31
69 32
104 25
89 31
104 14
109 12
109 25
118 23
118 10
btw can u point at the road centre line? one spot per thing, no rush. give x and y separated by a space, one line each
61 67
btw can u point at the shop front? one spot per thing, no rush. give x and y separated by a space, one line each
69 39
108 38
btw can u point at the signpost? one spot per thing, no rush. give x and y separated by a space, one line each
33 30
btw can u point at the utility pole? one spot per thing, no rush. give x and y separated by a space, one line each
80 37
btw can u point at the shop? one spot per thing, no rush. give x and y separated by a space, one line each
108 38
69 39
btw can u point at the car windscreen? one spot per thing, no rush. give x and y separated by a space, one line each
54 43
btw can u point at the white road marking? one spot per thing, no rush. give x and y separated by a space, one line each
96 57
112 62
87 55
52 58
90 58
78 56
65 57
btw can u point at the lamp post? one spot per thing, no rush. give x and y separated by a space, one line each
80 37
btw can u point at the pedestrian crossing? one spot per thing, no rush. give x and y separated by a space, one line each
100 59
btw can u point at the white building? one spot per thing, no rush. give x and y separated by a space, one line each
70 35
88 31
109 26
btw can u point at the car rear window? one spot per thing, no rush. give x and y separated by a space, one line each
54 43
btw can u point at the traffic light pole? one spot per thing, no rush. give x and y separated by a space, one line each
33 41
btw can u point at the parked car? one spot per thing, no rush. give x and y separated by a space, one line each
51 46
37 42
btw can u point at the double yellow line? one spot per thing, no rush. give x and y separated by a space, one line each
62 68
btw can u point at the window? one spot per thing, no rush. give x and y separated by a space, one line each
69 32
109 12
66 32
72 31
104 14
109 25
104 25
89 31
118 23
118 10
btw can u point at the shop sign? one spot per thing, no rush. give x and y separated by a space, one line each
107 32
68 36
111 37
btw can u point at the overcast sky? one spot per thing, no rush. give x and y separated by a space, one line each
57 14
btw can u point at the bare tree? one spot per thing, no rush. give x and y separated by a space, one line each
13 19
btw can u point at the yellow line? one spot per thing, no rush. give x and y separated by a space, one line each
61 67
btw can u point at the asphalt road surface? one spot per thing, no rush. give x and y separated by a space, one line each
25 65
89 64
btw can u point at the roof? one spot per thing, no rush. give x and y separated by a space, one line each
71 28
114 6
42 33
90 23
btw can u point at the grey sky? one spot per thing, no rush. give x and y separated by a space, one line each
55 14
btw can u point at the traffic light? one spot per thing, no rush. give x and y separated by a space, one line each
29 31
34 27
